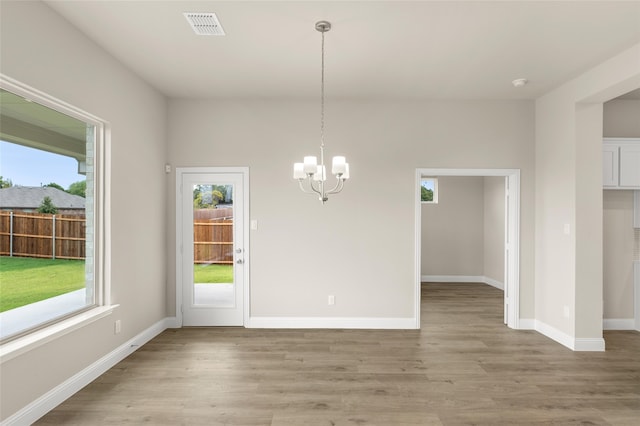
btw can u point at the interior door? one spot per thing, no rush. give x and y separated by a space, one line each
212 253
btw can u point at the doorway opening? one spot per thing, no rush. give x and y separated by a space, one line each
511 253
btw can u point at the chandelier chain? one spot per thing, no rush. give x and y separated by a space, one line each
322 95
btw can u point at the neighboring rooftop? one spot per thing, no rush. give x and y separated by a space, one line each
30 197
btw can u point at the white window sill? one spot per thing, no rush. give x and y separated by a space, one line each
26 343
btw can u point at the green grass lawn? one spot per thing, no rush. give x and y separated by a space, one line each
25 280
212 274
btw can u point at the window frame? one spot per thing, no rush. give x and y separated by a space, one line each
40 334
435 189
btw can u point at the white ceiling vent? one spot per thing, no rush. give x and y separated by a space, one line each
204 23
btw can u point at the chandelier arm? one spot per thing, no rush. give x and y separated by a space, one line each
312 188
339 186
322 195
302 188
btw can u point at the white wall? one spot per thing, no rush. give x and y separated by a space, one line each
453 229
568 192
618 254
42 50
494 223
622 118
360 245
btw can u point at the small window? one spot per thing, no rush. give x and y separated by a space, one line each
429 190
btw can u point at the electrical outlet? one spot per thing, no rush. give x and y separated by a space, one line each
117 327
331 300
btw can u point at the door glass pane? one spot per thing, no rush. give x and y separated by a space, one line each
213 232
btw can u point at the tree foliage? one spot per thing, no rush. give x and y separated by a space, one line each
5 183
208 196
426 194
54 185
78 188
47 206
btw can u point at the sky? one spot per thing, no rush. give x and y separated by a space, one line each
33 167
428 183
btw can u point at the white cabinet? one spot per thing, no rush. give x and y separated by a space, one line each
629 166
621 163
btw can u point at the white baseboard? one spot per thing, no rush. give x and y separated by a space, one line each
172 322
56 396
573 343
554 334
582 344
527 324
332 323
494 283
452 279
462 279
618 324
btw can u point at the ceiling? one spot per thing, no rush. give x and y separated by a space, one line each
633 95
40 116
376 49
28 123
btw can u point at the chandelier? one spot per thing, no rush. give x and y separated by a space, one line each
312 176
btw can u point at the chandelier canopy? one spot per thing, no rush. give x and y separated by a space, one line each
311 175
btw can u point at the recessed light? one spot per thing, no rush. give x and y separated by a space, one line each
519 82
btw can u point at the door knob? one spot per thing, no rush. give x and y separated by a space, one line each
239 261
238 250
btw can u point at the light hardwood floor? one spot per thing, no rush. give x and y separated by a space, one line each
463 367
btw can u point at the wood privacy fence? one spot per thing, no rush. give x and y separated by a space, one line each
213 236
42 235
63 236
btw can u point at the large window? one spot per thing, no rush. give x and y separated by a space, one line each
50 211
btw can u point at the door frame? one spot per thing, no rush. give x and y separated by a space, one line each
180 172
511 235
